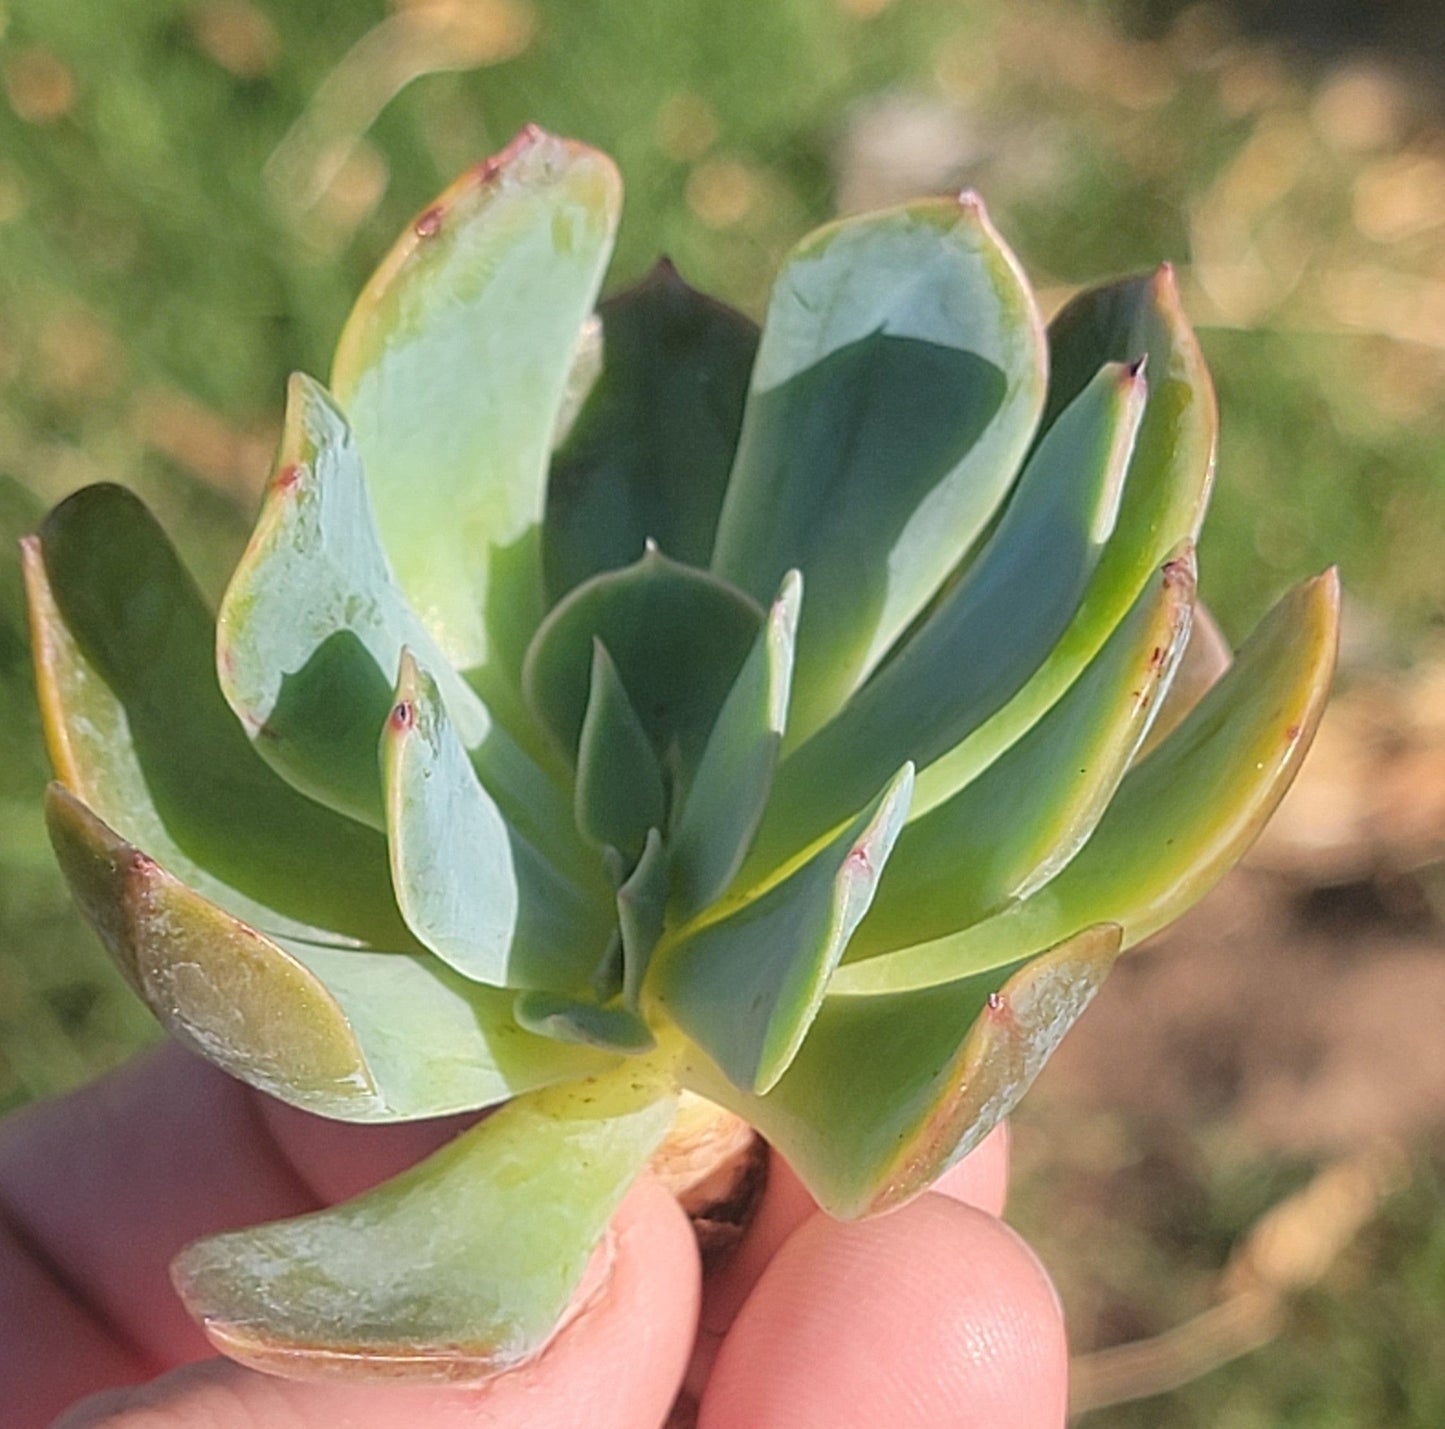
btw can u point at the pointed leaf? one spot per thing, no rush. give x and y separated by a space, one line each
896 390
453 369
1180 819
471 888
343 1032
311 631
649 454
1016 825
641 910
620 793
747 986
451 1272
986 636
1165 494
735 773
889 1091
678 636
592 1024
137 727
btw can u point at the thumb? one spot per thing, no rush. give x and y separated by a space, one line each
617 1365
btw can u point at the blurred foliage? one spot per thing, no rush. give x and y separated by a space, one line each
191 191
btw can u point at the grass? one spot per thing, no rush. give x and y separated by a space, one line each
172 245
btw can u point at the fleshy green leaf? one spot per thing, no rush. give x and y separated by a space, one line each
649 454
746 986
1165 493
620 793
311 631
677 634
985 637
343 1032
735 773
899 379
137 727
1016 825
453 368
591 1024
453 1271
889 1091
1180 819
472 889
641 910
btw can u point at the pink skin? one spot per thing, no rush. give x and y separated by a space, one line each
937 1315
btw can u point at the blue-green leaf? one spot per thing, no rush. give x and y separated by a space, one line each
899 379
589 1024
746 986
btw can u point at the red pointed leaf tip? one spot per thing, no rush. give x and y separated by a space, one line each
403 715
288 476
1293 733
1135 370
971 202
430 223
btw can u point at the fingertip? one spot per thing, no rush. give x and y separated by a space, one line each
981 1178
934 1315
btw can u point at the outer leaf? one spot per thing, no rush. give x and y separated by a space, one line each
1180 819
678 635
311 631
137 727
649 454
730 790
472 889
747 986
896 390
1165 495
455 1270
453 367
888 1092
986 637
1030 812
363 1036
620 793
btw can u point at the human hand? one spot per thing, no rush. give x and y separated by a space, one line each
934 1317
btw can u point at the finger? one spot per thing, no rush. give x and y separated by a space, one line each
936 1316
615 1366
109 1183
980 1179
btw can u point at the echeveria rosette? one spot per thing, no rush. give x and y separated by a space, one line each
611 706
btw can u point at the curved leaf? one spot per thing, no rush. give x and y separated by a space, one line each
1206 657
746 986
575 1019
343 1032
986 637
453 368
1165 493
641 912
455 1270
1030 812
137 727
888 1092
678 636
648 455
471 888
1180 819
899 379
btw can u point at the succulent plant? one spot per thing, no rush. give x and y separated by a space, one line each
615 707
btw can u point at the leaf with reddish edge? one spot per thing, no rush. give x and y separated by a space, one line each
1181 818
889 1091
1206 657
343 1032
458 1269
453 368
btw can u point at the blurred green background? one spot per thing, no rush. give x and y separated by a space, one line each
192 190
